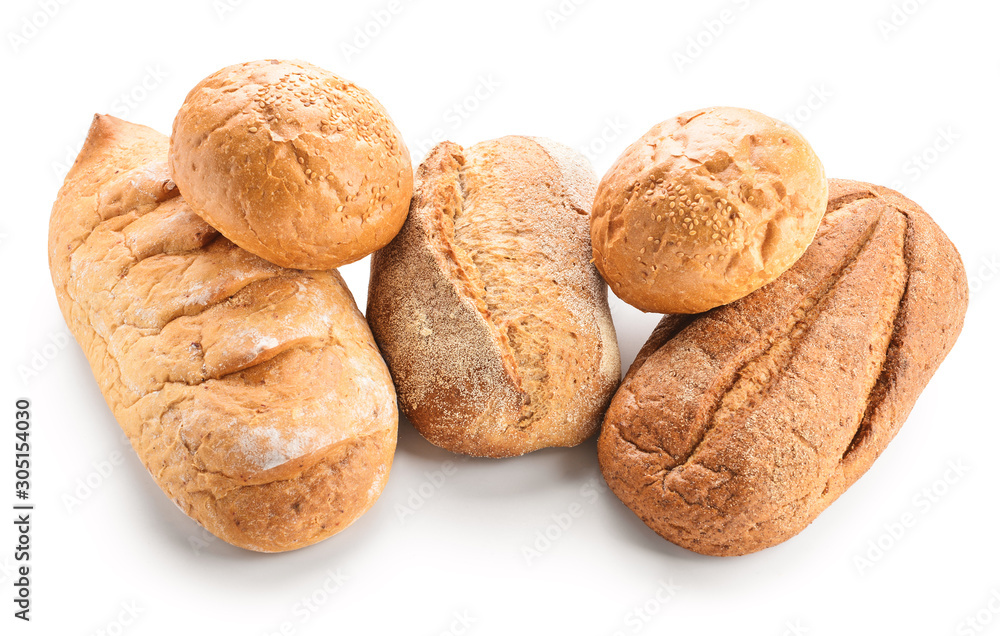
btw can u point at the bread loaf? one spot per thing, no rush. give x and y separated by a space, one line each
253 394
493 321
292 163
705 208
734 429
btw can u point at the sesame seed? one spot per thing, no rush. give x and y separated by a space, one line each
253 129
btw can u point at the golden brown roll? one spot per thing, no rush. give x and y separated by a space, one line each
493 321
705 208
292 163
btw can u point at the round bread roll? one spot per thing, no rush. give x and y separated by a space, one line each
493 321
705 208
292 163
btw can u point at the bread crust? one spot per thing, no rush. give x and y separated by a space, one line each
734 429
705 208
492 320
254 394
292 163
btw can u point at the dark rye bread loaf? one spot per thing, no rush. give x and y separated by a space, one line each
254 394
735 428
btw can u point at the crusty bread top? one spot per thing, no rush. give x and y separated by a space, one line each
227 372
292 163
493 321
705 208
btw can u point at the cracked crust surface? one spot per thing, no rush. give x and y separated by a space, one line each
254 394
493 322
735 428
292 163
705 208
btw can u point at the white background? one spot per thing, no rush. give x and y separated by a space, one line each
912 105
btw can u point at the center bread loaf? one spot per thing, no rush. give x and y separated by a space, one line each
493 320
